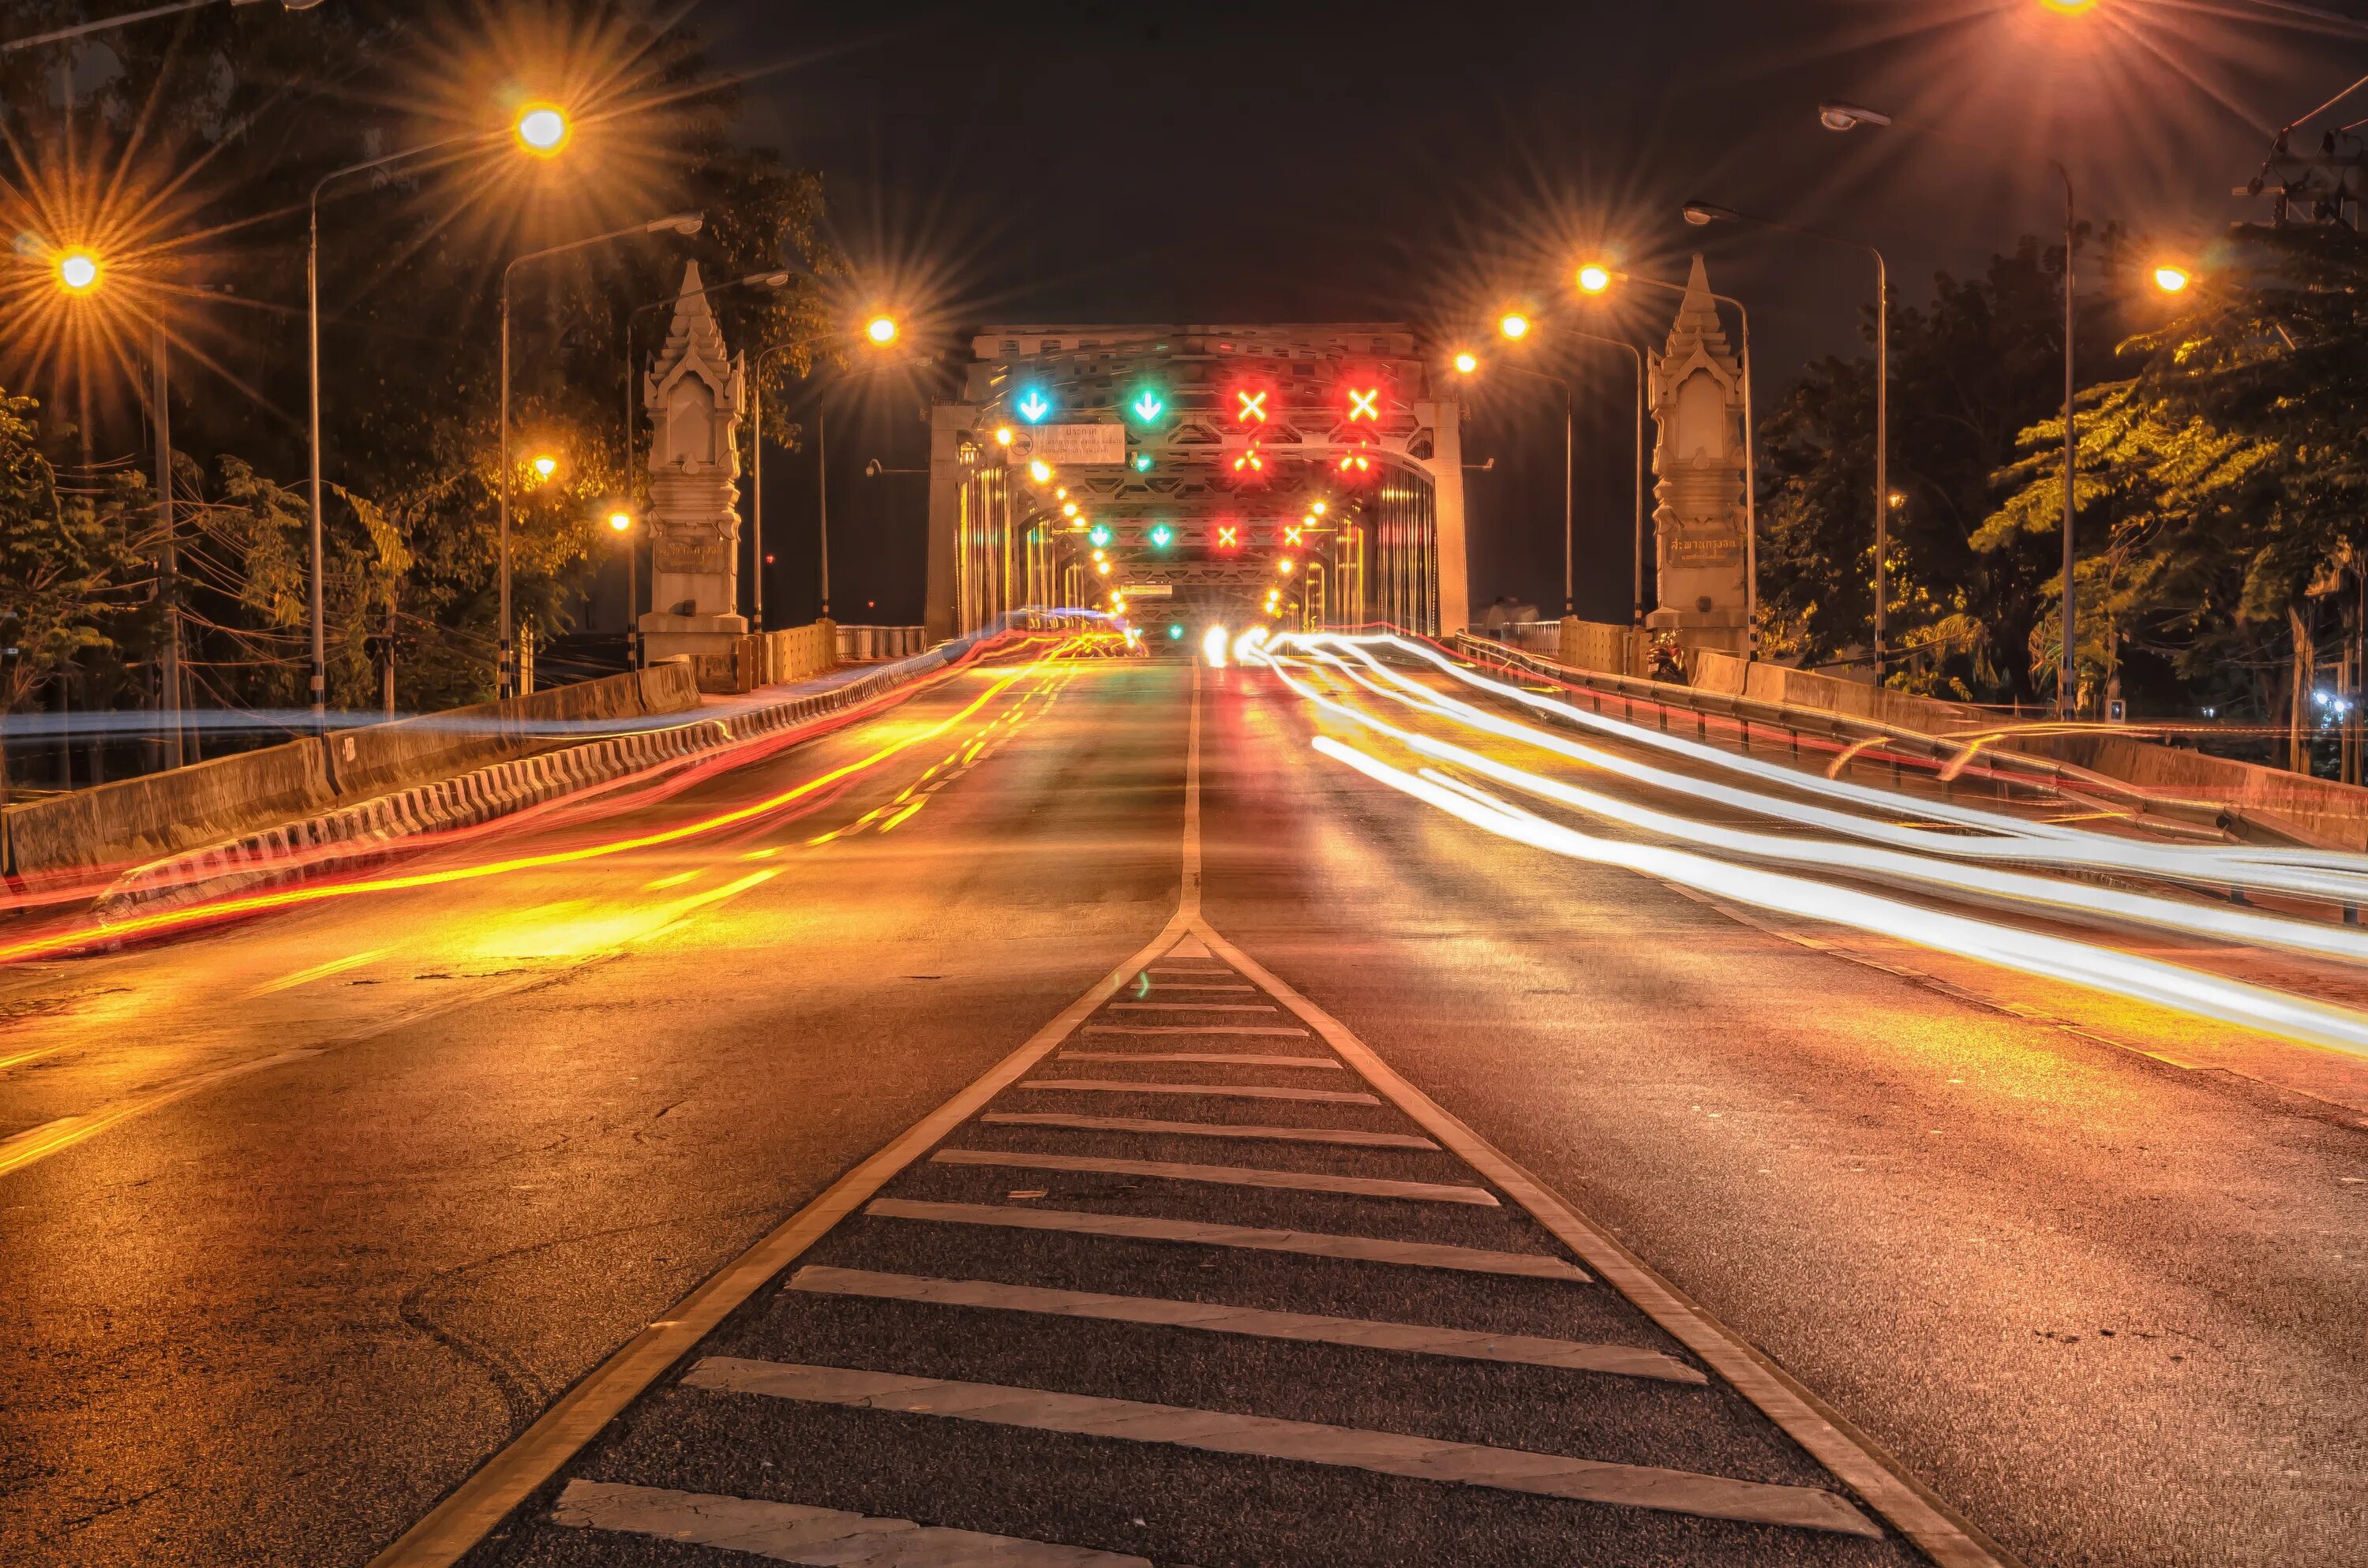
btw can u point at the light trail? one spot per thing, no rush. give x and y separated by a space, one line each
2316 939
166 922
2327 875
2051 958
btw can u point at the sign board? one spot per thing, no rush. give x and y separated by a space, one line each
1716 550
1058 444
1149 591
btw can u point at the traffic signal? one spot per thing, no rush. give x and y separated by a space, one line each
1364 403
1147 405
1228 537
1033 406
1249 404
1161 536
1142 461
1100 536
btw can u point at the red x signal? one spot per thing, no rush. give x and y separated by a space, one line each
1253 410
1364 405
1291 535
1227 538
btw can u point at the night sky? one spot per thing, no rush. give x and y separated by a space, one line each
1095 161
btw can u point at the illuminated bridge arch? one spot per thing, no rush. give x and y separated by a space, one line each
1300 475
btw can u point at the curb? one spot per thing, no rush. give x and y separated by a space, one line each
376 829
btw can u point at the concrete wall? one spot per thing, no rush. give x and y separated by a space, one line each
143 819
769 658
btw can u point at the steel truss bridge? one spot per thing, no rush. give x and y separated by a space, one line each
1300 475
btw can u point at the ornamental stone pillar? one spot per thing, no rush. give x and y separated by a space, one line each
694 394
1702 464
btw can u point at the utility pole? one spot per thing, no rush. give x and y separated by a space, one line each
168 565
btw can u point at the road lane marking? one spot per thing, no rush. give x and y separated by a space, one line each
1366 1333
1346 1135
1172 986
1191 1028
1225 1175
318 972
890 825
1852 1458
674 881
1222 1091
1195 1007
1308 1442
788 1533
482 1500
1228 1059
1310 1243
55 1137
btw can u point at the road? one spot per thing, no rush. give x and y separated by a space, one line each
322 1210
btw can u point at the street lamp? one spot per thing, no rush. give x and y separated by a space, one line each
77 272
1702 213
621 522
683 223
1514 325
320 679
1750 450
2172 278
872 331
543 130
1466 363
1848 117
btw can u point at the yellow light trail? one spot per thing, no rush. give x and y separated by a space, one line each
284 898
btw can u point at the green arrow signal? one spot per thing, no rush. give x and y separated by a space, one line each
1148 407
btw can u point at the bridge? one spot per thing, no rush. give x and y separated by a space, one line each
1189 472
982 1094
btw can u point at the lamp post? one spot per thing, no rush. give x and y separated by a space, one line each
684 224
881 331
1844 117
1699 214
1595 279
544 131
621 522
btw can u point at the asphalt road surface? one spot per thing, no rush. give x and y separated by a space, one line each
307 1218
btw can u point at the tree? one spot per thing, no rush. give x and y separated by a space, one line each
2218 482
62 560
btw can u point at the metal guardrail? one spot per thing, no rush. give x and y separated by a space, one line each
1944 756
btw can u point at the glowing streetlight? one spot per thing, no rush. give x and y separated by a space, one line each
2171 278
880 330
1040 472
1466 363
1003 435
545 467
78 272
622 521
1285 565
1594 278
1318 509
543 130
1514 325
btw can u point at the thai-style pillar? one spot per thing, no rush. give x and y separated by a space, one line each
694 394
1702 464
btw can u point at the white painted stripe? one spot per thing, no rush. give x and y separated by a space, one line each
1194 1006
1220 1057
1936 1529
1193 1029
1224 1176
1264 1436
1222 1091
1312 1243
1413 1339
1178 986
1209 1129
790 1532
1190 969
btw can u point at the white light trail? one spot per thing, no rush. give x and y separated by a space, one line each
2052 958
2330 875
2218 922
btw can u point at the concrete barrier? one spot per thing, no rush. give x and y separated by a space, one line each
867 644
138 819
373 759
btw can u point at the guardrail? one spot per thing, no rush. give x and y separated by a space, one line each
1880 742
